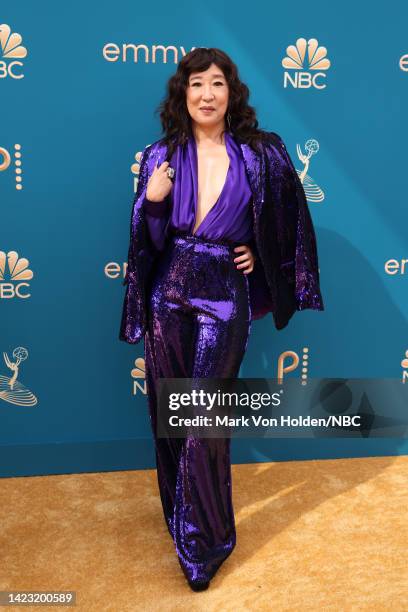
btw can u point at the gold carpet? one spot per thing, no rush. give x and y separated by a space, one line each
311 535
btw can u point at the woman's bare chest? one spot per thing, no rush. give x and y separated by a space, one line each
212 175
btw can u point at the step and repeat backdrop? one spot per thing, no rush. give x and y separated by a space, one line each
79 85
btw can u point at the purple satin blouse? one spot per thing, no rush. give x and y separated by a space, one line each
229 220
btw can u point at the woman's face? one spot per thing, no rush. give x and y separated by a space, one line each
207 89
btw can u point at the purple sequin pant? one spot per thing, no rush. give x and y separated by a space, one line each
198 326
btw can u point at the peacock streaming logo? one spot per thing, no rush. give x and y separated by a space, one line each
288 361
8 160
306 64
11 53
14 274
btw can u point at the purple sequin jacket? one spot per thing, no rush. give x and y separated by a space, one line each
285 277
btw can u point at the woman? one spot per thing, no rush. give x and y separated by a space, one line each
220 235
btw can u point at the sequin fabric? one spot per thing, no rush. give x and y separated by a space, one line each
199 321
286 274
194 307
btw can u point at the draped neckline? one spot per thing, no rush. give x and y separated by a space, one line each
192 147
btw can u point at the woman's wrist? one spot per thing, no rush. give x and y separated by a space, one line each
155 209
154 201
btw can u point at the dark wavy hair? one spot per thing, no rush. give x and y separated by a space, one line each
175 118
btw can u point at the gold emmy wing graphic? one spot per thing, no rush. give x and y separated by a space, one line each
313 192
11 389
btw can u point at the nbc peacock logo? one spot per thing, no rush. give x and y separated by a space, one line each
138 373
11 53
306 63
14 274
135 168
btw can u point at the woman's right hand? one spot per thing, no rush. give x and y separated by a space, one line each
159 184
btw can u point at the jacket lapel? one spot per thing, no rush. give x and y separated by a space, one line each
254 165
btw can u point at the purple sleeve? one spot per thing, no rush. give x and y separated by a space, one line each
156 217
300 265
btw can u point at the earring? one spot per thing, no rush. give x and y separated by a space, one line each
229 120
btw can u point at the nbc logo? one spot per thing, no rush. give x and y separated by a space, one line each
307 70
11 51
135 167
14 272
139 373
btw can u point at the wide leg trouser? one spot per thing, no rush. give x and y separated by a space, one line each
198 326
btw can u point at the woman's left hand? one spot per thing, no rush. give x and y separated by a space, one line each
246 260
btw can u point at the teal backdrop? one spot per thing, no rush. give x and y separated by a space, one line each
71 129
